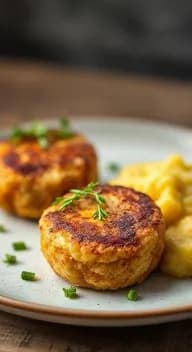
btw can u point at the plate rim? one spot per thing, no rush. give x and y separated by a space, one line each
91 314
6 302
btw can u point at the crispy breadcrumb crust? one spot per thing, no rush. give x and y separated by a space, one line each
31 177
120 251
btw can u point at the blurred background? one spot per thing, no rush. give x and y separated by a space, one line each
152 36
131 38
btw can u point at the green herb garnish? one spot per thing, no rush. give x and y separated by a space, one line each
28 276
113 167
10 259
65 129
43 142
19 246
17 133
41 133
2 228
37 131
99 214
132 295
70 292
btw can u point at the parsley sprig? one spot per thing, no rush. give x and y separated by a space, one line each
89 190
41 133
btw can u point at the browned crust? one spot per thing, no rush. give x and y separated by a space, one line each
133 215
28 159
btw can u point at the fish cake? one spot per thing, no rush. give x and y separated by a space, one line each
31 176
119 251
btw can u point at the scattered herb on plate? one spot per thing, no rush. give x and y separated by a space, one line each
19 246
113 167
132 295
10 259
70 292
2 228
28 276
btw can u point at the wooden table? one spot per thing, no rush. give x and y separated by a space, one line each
35 90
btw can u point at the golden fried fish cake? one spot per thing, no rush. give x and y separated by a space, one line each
31 177
116 252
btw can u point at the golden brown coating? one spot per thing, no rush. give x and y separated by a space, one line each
117 252
31 177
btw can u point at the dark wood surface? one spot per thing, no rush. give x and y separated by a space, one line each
21 335
35 90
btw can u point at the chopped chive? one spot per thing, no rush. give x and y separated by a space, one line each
28 276
19 246
113 167
70 292
132 295
2 228
10 259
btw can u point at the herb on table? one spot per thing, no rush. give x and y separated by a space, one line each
89 190
70 292
2 228
19 246
132 295
10 259
113 167
28 276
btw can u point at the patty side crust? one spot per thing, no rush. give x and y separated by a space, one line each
116 252
31 177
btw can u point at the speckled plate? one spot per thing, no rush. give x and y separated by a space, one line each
162 298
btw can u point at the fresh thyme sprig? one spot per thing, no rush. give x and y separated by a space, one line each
89 190
100 213
41 133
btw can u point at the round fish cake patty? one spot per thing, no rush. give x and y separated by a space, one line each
119 251
31 177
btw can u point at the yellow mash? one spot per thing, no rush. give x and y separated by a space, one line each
169 184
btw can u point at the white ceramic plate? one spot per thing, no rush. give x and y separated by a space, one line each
162 298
